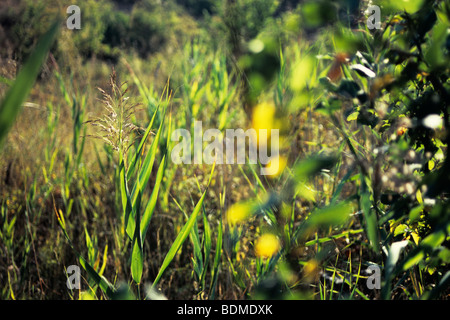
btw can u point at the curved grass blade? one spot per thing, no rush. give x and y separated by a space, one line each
12 103
151 204
184 233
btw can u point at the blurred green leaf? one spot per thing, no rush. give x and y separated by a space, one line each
435 54
13 101
316 14
309 167
369 216
332 215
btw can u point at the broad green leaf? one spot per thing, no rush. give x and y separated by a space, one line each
409 6
151 204
125 194
137 259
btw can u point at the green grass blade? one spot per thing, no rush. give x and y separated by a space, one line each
184 233
101 281
197 260
333 237
137 258
151 204
137 155
12 103
6 81
207 246
125 194
217 259
369 216
143 176
147 165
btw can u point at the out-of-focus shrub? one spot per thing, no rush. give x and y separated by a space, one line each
148 28
198 8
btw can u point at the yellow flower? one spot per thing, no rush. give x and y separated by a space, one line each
401 131
263 120
276 166
238 212
311 270
267 245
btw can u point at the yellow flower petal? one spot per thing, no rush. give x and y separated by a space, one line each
267 245
276 166
263 120
311 270
238 212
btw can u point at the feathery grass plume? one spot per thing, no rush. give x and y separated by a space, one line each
115 126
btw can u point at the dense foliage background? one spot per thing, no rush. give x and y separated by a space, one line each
86 176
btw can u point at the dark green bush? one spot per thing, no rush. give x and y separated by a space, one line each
148 31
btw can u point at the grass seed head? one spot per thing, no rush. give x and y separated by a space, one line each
115 126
